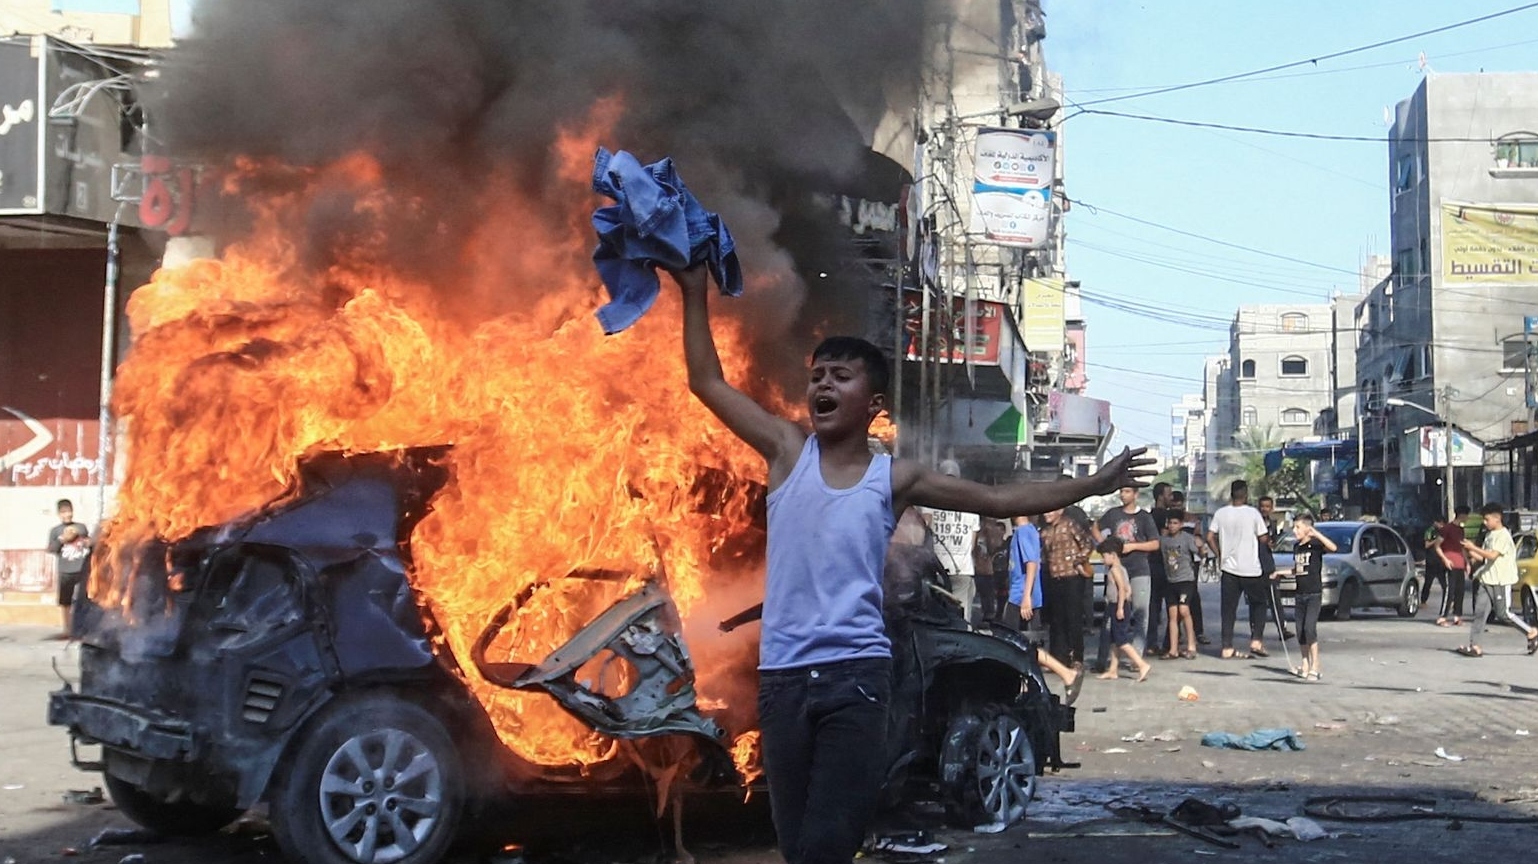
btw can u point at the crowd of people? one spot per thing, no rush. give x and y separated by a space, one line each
1037 576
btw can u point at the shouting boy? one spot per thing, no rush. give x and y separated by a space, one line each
824 658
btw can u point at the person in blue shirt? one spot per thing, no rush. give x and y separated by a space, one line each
1025 598
825 668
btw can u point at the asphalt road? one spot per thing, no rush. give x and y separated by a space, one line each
1393 693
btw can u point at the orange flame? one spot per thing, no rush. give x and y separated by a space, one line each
572 450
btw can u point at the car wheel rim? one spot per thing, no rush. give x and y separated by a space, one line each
380 796
1006 769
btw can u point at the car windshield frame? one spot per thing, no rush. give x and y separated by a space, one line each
1344 536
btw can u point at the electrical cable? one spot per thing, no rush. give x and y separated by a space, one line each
1096 209
1384 65
1279 133
1314 61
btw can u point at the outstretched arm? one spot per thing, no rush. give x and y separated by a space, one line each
773 437
913 483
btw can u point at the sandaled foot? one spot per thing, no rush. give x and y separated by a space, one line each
1189 654
1532 644
1471 651
1312 676
1074 688
1259 651
1109 675
1442 622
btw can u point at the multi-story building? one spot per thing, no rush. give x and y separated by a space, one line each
1444 339
1220 396
1281 357
1188 433
1008 399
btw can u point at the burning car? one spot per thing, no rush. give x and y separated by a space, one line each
287 659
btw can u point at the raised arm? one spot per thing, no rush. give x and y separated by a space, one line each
1328 544
913 483
773 437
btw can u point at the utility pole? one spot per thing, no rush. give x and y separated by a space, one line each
1445 394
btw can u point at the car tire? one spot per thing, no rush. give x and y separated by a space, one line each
988 767
1410 601
375 779
1529 606
172 819
1348 600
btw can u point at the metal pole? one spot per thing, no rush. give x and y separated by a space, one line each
1447 473
108 362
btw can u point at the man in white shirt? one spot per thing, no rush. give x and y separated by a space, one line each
955 539
1236 533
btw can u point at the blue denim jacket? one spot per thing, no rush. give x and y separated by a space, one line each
655 222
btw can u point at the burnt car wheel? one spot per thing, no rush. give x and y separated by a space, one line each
376 781
987 768
173 819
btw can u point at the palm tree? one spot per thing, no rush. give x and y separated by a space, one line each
1247 461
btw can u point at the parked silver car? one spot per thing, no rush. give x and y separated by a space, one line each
1371 567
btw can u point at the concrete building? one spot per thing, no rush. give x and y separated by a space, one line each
1220 398
1188 434
1447 331
1281 357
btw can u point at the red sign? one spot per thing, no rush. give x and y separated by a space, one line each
54 452
948 333
169 194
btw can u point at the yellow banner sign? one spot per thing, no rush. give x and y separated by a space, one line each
1490 243
1042 327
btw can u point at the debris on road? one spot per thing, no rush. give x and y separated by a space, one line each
1114 750
1188 694
1260 739
908 843
1134 738
135 858
1441 753
123 837
12 787
1330 726
84 796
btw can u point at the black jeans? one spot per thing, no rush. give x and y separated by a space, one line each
1257 594
1435 572
1196 608
1158 588
1064 599
825 755
987 595
1452 594
1306 614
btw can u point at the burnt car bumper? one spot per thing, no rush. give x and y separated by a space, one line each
114 724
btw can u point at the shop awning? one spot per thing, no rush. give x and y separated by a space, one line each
1335 450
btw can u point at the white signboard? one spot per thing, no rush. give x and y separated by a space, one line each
1012 186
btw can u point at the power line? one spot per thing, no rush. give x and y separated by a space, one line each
1359 68
1313 61
1250 249
1278 133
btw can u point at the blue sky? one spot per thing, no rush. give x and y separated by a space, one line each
1317 201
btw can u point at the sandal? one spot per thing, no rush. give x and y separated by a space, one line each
1442 622
1532 645
1074 688
1260 652
1188 655
1235 655
1312 676
1471 651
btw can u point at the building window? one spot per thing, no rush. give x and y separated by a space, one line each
1294 322
1294 366
1295 417
1247 369
1517 150
1514 354
1249 417
1404 172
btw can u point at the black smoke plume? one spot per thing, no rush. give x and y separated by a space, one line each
760 101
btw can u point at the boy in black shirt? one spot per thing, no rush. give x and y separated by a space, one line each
1308 566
